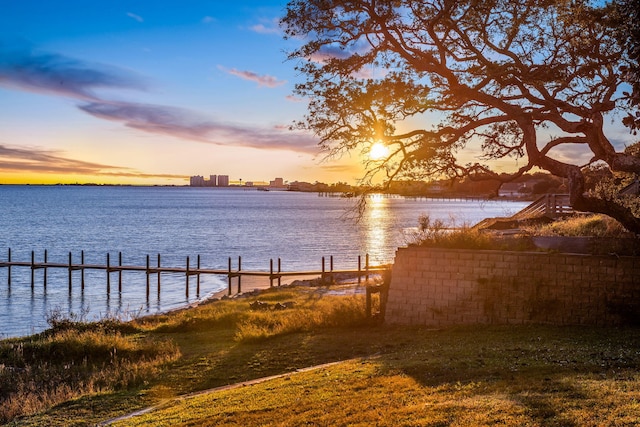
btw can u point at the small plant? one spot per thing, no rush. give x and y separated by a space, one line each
438 233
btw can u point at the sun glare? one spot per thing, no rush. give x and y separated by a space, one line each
378 151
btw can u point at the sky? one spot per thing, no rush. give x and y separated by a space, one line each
150 93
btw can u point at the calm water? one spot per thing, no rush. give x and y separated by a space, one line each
176 222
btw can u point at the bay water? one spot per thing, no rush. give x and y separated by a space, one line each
181 222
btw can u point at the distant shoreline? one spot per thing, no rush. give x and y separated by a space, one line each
438 196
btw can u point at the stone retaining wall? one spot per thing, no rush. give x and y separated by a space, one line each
451 287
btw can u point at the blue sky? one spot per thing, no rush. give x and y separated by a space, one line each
150 92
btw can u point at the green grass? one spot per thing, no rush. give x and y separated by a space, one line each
467 376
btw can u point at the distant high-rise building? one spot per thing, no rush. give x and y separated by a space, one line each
213 180
223 180
196 181
278 182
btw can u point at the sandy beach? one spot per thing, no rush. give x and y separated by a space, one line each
258 283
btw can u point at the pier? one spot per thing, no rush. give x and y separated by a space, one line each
275 274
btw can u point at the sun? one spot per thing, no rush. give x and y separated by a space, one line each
378 151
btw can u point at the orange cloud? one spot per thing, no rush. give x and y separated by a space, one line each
187 124
34 160
262 80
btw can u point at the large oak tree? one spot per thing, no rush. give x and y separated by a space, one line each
453 86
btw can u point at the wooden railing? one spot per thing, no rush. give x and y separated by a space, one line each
550 206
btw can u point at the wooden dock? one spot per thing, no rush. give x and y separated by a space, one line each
275 273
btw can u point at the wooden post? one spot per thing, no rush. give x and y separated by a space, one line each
9 269
120 272
45 270
148 283
239 274
331 269
359 269
322 276
187 279
271 273
279 271
366 278
229 276
70 272
198 279
33 279
82 270
158 275
108 274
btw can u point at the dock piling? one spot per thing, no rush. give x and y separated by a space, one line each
44 270
33 268
328 274
108 274
187 279
70 272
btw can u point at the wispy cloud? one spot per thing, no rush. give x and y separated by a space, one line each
293 98
134 16
27 69
267 27
187 124
54 74
262 80
29 160
208 20
341 168
330 52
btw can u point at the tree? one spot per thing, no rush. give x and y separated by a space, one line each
626 19
450 86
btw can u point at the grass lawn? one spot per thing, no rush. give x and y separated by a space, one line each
388 375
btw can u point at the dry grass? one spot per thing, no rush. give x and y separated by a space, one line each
516 376
485 375
70 361
311 312
584 225
442 234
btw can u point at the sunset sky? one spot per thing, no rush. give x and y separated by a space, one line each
151 92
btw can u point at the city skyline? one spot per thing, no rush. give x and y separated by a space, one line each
144 93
